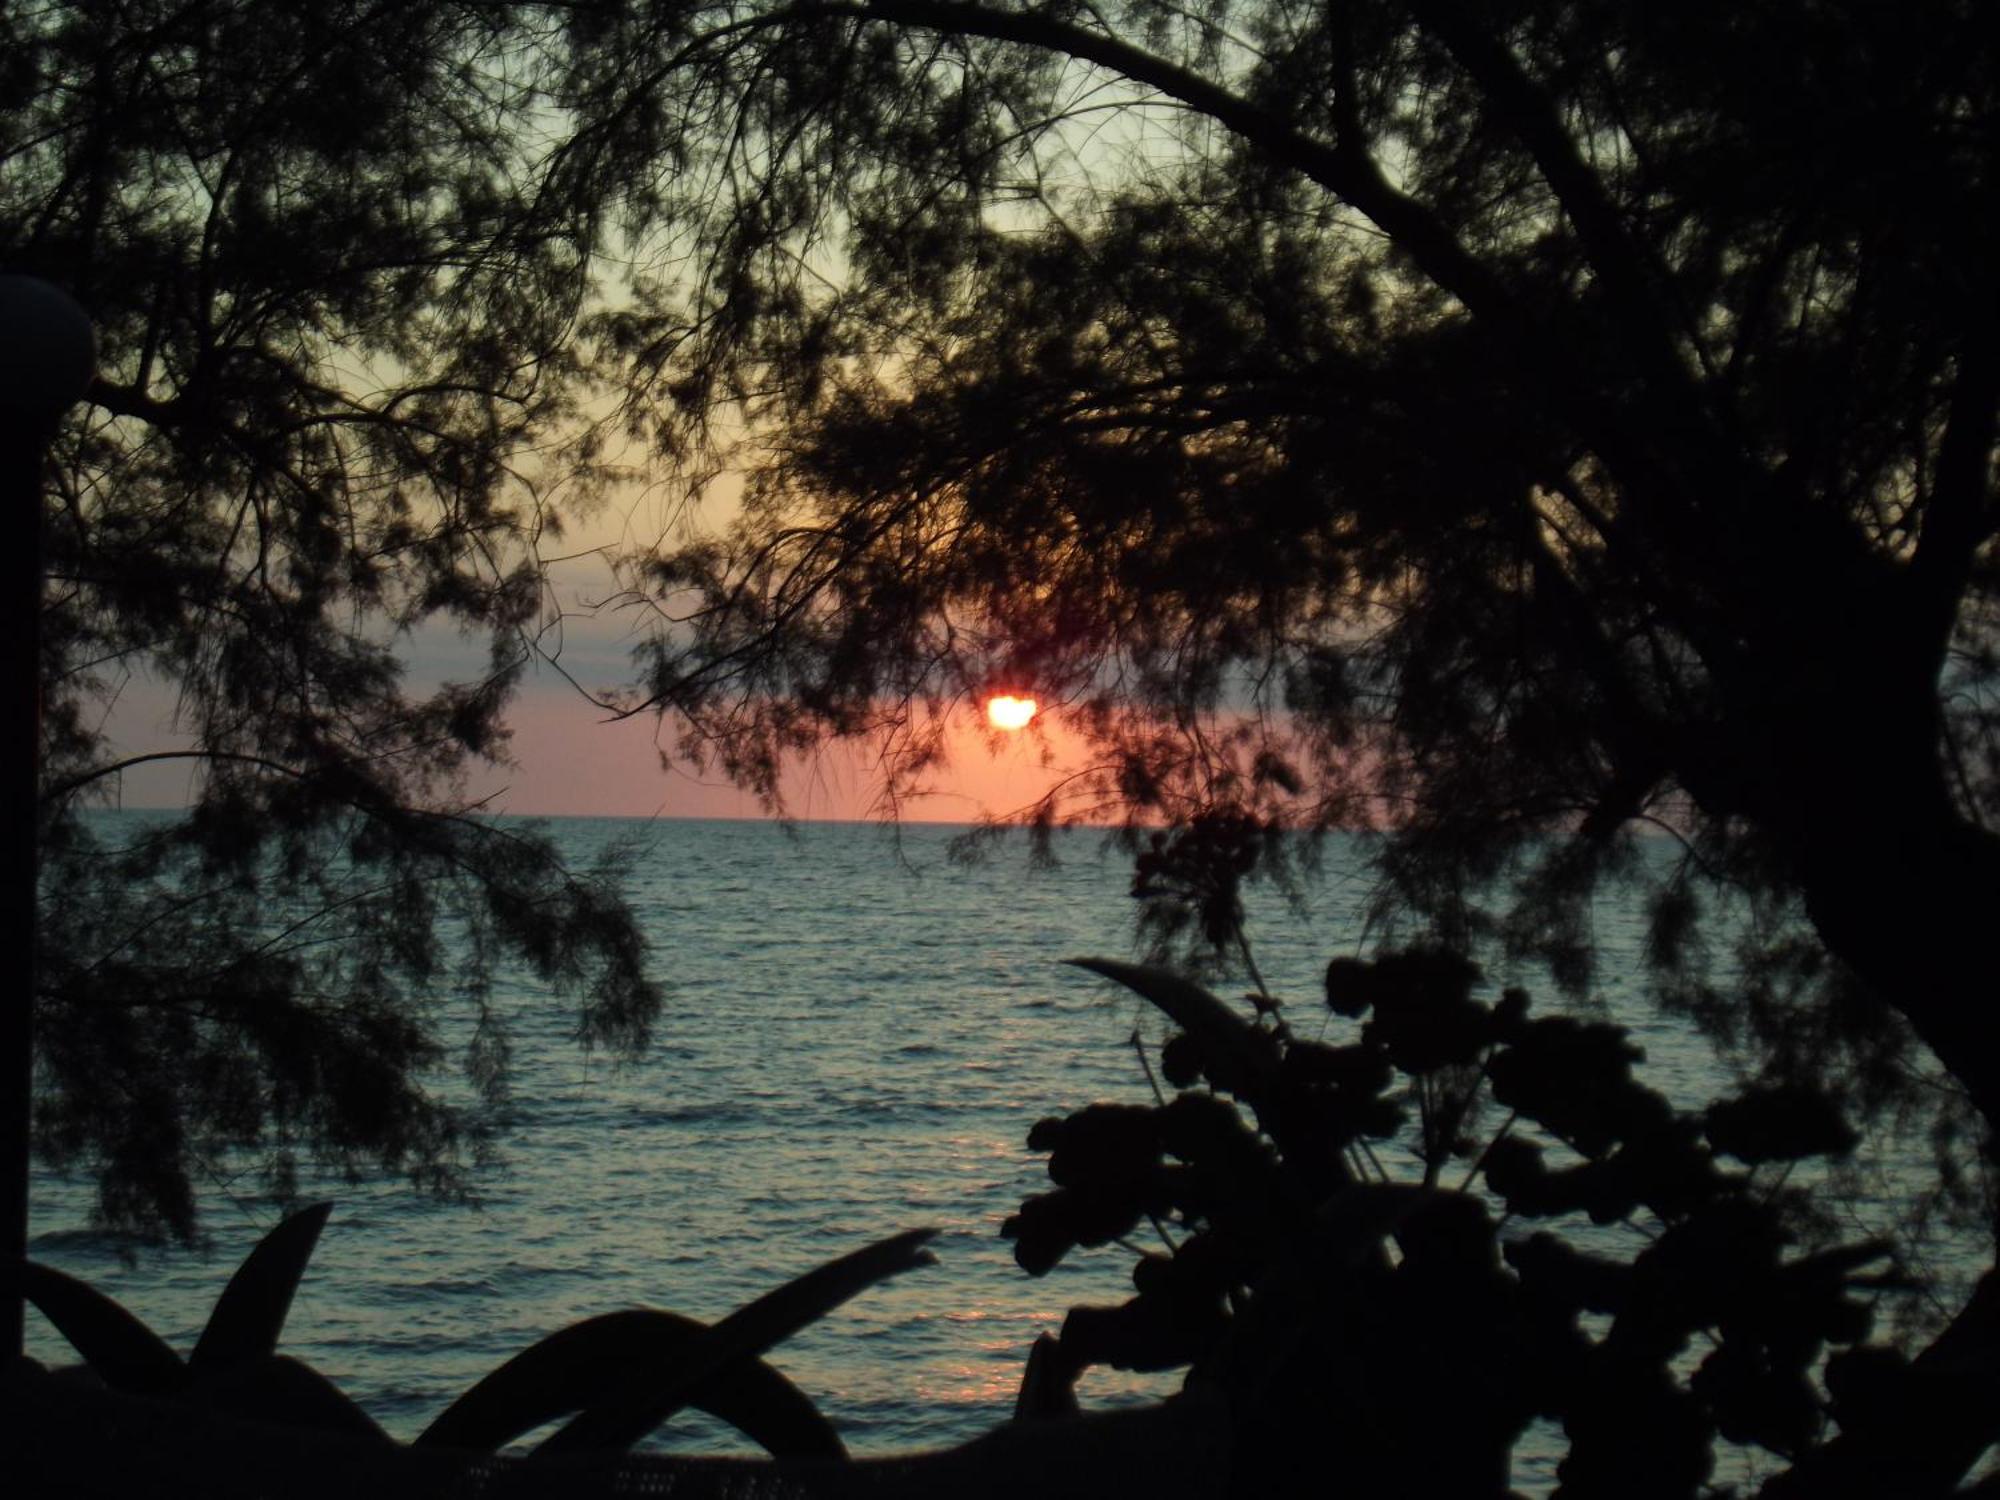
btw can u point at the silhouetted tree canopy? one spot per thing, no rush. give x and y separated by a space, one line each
1510 426
336 380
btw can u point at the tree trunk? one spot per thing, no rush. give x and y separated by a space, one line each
1907 898
1899 885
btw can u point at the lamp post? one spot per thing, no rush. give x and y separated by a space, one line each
47 356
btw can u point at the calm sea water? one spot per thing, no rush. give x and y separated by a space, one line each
858 1035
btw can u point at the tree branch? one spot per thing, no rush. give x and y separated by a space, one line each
71 784
1631 276
1343 168
1960 516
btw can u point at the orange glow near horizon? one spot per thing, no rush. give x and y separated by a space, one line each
1010 713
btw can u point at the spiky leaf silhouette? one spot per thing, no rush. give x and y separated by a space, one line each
249 1316
623 1419
126 1354
278 1388
1245 1057
589 1362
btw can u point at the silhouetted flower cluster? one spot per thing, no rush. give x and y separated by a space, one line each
1342 1303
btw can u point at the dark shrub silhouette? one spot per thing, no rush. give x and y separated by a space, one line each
1331 1219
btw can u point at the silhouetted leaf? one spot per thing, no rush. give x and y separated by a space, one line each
1180 1061
1668 1169
127 1354
1145 1332
1236 1055
278 1388
1557 1272
1630 1422
1779 1124
1048 1384
590 1362
1205 1265
1575 1078
1101 1143
1350 986
1360 1069
623 1419
1449 1234
1756 1399
1869 1384
1425 1017
1049 1225
249 1316
1711 1268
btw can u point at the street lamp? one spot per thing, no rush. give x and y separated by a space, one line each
47 350
47 356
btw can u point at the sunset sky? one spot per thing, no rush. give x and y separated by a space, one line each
574 760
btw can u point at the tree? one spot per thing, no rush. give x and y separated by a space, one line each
1508 425
337 402
1505 424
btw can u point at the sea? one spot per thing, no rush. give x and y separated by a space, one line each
860 1028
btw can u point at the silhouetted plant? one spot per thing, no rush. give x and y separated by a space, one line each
1331 1219
618 1377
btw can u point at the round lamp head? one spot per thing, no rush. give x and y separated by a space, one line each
48 351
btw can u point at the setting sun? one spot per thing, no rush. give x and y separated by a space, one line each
1008 712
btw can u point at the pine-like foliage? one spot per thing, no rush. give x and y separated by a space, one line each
337 387
1510 427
